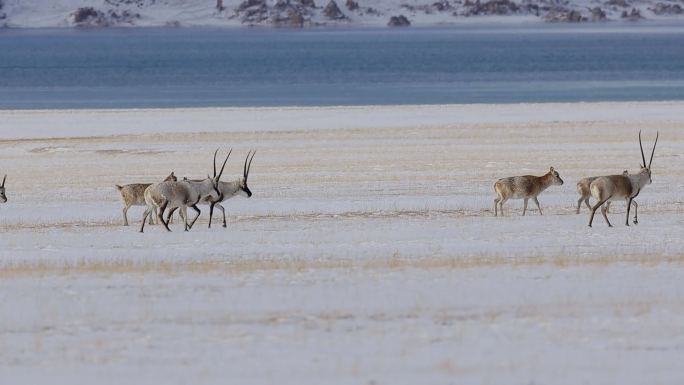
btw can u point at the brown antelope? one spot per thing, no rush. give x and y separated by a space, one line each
134 195
622 187
181 194
3 197
524 187
585 192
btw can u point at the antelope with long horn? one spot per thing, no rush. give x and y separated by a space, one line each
3 197
181 194
231 189
524 187
585 192
134 195
622 187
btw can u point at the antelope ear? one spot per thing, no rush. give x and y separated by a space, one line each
551 169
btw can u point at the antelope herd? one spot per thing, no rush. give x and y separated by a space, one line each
172 194
604 189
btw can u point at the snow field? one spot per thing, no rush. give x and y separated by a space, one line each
368 254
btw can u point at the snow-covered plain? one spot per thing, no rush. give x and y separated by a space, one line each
368 254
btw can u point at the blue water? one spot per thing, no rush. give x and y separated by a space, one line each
254 67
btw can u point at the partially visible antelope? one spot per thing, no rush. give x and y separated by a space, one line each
622 187
3 197
524 187
134 195
229 189
181 194
585 192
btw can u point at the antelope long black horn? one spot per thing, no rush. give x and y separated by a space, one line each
244 169
215 152
3 180
643 158
224 164
249 166
649 162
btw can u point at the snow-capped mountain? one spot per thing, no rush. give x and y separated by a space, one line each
309 13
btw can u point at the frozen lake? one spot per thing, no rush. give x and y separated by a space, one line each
242 67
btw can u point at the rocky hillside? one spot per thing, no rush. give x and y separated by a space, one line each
311 13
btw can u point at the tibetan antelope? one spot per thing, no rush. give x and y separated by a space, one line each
180 194
524 187
229 189
3 197
232 189
622 187
134 195
585 192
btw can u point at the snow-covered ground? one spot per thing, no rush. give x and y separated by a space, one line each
368 254
312 13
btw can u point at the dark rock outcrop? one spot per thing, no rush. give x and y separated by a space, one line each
333 12
87 15
597 14
634 15
661 9
352 5
564 15
398 21
491 7
252 11
292 13
91 17
442 6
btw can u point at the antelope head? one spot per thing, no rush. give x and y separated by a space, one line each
3 197
645 171
217 177
556 179
243 188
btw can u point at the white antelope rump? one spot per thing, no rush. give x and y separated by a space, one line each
228 189
585 192
622 187
180 194
524 187
3 197
134 195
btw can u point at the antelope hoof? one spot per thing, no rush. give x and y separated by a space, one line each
224 226
636 222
